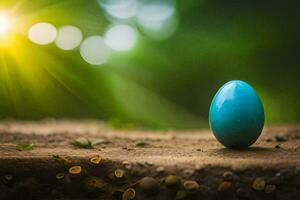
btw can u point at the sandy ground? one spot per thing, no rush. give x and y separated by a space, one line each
273 163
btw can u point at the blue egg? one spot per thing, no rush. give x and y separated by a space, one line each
236 115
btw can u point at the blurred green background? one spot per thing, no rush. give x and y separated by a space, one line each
161 82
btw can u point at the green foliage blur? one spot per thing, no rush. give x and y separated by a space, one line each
159 83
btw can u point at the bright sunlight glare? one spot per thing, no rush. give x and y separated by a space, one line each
4 24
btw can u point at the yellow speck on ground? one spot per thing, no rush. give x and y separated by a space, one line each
96 159
259 184
75 170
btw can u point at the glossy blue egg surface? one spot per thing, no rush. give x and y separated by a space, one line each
236 115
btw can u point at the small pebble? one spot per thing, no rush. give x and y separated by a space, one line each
278 174
280 138
96 159
224 186
277 146
160 169
128 194
259 184
125 162
141 164
127 165
191 186
92 183
270 188
172 181
142 144
119 173
149 185
127 148
8 177
228 175
150 163
60 176
75 170
189 172
198 167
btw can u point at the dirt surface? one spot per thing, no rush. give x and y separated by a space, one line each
201 167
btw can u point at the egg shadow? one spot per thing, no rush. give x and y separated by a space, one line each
246 152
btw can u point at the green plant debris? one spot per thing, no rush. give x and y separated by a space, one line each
82 142
87 143
61 159
25 147
99 141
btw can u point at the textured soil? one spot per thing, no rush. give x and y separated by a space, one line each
202 168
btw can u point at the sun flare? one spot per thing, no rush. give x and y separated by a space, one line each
5 24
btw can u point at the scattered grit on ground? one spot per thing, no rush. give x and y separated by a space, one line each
87 160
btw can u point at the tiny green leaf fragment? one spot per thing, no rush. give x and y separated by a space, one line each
61 159
82 142
99 142
25 147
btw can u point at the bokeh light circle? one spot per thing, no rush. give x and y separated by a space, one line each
121 37
42 33
120 9
68 37
157 19
94 50
155 12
